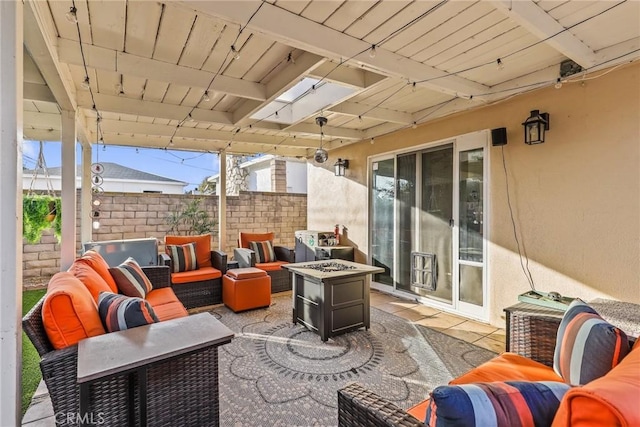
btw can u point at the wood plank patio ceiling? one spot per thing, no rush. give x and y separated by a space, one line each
150 63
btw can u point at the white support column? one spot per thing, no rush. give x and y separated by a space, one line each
222 201
11 23
86 196
68 171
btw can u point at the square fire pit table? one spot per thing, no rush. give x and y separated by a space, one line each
331 297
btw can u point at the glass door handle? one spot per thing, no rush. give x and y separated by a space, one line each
451 222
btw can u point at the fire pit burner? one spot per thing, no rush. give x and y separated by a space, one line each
328 267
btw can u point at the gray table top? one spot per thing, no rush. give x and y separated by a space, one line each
122 351
357 270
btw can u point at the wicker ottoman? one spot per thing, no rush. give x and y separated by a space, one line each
246 288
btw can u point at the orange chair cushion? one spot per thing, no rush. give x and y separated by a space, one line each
245 238
94 260
199 275
271 266
90 278
419 410
611 400
166 304
246 273
69 313
508 367
245 294
203 246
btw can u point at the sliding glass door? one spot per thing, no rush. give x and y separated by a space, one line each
427 223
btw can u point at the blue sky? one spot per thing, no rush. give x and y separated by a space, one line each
188 166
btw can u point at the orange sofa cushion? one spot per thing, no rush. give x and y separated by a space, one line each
508 367
203 246
94 260
90 278
165 304
419 410
245 238
611 400
69 313
271 266
199 275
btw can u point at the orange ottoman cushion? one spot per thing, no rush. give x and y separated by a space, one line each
246 288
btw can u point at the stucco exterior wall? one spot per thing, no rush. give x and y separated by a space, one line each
576 198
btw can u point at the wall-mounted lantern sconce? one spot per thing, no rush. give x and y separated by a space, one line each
341 166
535 126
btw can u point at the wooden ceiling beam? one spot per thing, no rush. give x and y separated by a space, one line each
237 147
158 130
124 105
355 109
111 60
37 92
295 30
534 19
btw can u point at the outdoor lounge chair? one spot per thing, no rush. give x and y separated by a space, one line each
203 285
246 257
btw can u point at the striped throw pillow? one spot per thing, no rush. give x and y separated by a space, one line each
130 279
587 346
183 257
496 404
120 312
264 251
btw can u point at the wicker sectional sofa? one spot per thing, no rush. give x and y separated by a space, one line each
68 313
610 400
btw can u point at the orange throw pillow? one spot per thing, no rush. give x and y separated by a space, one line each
69 313
94 260
203 246
90 278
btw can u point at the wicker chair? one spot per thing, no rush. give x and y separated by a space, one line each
200 292
191 376
280 278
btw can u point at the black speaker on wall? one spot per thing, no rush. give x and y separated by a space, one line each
498 136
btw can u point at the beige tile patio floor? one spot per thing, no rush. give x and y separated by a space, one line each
40 413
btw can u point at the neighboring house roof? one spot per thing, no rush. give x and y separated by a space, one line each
113 171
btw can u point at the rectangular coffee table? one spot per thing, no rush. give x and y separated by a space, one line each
331 297
137 351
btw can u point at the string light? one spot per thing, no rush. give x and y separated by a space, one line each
72 15
205 96
190 117
373 141
85 83
360 119
291 59
499 64
236 53
558 84
171 142
414 125
413 87
372 51
313 89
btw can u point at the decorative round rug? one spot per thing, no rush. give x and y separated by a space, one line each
274 373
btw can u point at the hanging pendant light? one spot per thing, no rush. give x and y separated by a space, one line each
321 154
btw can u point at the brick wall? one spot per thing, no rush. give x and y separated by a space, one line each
133 216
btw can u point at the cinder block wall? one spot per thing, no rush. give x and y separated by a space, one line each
134 216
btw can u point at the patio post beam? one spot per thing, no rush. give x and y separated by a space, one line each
222 201
68 191
86 222
11 51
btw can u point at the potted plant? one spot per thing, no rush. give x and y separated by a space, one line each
191 218
40 212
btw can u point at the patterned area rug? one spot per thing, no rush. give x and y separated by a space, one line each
275 373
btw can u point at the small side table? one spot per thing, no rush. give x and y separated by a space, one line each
150 356
531 331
